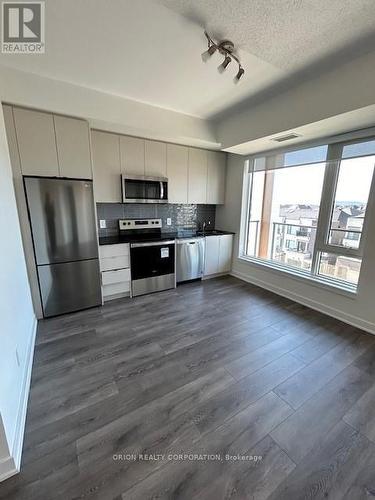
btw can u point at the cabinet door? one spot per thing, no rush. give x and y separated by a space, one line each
36 142
106 163
132 154
216 166
73 147
197 176
225 253
211 260
177 173
156 158
12 139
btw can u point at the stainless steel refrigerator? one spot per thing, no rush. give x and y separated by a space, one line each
62 218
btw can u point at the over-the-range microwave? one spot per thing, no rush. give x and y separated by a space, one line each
144 189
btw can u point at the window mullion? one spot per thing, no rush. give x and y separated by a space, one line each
246 205
326 204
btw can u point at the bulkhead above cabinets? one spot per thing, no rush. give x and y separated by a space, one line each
48 144
194 175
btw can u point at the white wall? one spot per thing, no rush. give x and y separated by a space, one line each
359 311
346 88
105 111
17 321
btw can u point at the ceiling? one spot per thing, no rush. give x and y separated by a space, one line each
149 50
288 34
330 127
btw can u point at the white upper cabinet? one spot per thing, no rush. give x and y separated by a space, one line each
36 142
106 167
73 147
155 158
197 178
177 173
11 137
132 154
216 169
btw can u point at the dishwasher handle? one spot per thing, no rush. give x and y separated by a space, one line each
186 241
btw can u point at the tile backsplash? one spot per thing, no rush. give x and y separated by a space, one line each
182 216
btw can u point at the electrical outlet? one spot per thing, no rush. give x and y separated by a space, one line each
169 221
102 223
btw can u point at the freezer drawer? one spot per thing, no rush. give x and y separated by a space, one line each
69 286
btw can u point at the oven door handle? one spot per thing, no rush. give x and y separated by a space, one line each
152 244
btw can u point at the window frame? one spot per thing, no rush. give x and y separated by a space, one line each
321 245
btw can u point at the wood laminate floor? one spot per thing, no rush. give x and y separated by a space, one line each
215 390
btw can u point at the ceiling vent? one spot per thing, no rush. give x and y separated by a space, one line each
287 137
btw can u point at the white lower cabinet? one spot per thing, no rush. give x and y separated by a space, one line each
211 260
115 271
225 253
218 254
115 262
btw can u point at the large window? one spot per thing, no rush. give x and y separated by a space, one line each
306 209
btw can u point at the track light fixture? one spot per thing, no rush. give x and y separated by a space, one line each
226 48
206 55
241 71
224 64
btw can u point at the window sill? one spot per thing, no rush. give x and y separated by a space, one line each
350 291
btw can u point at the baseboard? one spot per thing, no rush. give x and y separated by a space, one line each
217 275
7 468
115 296
313 304
12 464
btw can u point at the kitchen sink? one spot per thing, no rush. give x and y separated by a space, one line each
208 233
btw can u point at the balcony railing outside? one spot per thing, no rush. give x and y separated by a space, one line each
348 238
253 238
303 237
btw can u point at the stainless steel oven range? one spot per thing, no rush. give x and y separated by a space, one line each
152 256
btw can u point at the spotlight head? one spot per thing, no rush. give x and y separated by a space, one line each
241 71
208 53
224 64
227 49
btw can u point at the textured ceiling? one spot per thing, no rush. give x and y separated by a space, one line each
289 34
149 50
140 50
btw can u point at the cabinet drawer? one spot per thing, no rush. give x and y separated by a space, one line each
106 251
119 276
116 288
113 263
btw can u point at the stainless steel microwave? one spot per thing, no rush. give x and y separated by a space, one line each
144 189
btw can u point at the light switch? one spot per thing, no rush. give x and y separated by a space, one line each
169 221
102 223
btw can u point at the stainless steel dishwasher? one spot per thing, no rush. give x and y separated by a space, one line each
189 259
